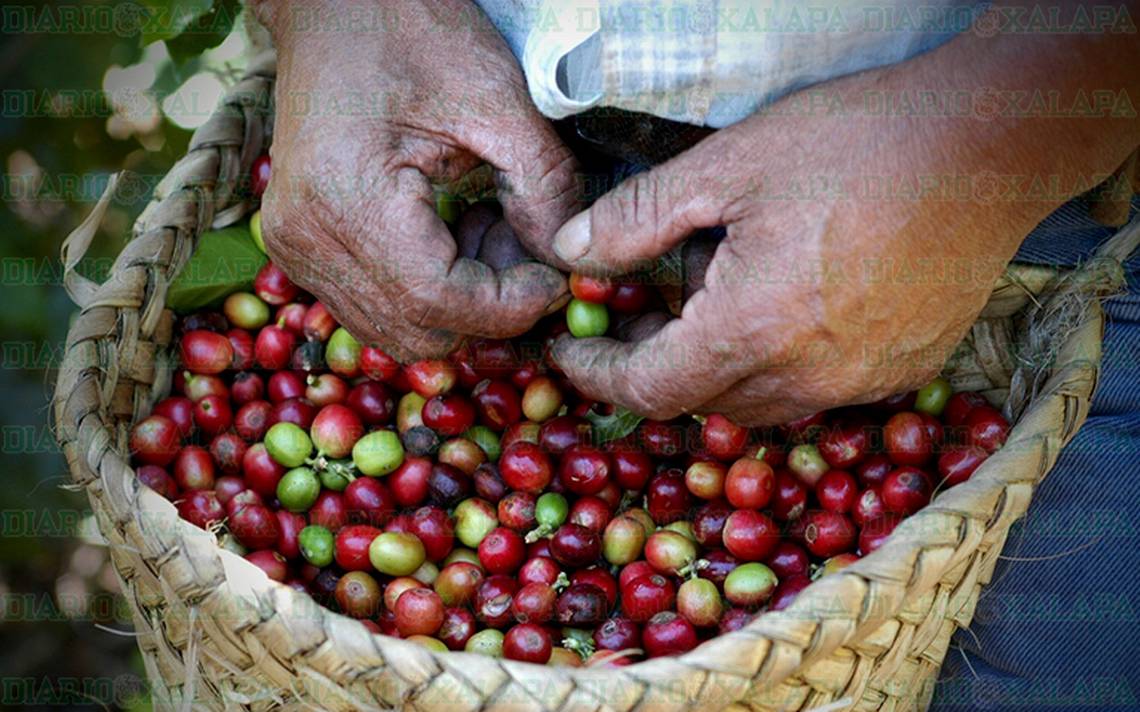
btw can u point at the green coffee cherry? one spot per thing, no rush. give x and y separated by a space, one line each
317 545
932 397
486 439
288 444
486 642
396 553
255 231
587 319
298 489
378 453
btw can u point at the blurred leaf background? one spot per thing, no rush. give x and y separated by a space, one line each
88 89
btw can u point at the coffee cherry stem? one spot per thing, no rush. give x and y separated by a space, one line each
693 569
583 646
761 452
540 532
321 462
344 468
561 582
627 499
551 511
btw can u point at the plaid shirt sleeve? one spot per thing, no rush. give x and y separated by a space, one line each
714 62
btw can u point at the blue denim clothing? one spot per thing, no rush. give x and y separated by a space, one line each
1058 626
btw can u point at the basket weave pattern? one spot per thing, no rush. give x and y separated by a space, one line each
216 633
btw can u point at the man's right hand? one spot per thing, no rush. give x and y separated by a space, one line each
375 102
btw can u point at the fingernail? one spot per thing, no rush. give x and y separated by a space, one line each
572 240
559 302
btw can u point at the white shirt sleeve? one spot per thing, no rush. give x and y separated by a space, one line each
714 62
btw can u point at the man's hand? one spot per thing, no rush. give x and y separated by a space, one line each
860 246
375 101
812 300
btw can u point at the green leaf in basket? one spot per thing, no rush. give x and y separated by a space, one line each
617 425
448 206
226 261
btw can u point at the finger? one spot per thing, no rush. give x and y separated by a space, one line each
472 226
535 172
650 213
501 247
446 164
434 287
775 396
638 327
536 178
754 401
340 281
405 344
680 367
696 254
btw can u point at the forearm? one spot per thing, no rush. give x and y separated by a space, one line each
1050 110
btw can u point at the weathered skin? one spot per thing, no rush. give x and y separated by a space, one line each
349 213
860 247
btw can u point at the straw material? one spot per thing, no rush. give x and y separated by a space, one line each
216 633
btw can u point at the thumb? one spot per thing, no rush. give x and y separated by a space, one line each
647 214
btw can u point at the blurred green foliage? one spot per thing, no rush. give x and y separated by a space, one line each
61 137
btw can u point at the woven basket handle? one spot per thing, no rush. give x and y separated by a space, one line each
1123 244
1048 323
81 289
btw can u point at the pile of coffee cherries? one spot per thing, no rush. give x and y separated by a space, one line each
472 503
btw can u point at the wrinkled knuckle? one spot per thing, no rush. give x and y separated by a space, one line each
584 366
572 361
620 205
640 205
555 171
585 369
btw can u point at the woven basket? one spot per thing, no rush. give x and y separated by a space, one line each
216 633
